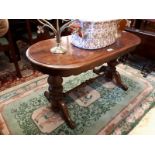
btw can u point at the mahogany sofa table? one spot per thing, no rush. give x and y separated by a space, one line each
74 62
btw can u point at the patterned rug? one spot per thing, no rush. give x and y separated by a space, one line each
138 112
96 106
8 76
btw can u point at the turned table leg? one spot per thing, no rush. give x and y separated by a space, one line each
56 98
110 73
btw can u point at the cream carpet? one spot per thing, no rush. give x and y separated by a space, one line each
146 125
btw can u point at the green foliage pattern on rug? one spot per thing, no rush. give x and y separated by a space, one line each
139 111
92 105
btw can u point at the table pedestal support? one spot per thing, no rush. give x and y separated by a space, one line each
111 73
56 97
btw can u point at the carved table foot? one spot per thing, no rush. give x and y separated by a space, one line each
111 73
65 113
55 96
119 82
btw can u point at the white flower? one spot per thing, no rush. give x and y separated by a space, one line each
40 29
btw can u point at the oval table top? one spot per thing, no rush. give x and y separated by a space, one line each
78 59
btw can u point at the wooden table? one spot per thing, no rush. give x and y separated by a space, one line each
74 62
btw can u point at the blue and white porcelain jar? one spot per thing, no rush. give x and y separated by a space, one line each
96 34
